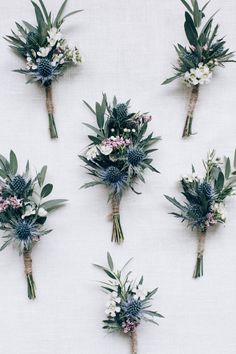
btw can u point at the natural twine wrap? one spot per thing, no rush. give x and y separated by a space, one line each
28 262
49 101
192 104
201 245
134 342
115 204
50 109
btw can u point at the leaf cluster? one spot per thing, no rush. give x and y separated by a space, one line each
204 44
121 284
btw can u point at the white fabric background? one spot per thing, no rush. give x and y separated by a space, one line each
127 47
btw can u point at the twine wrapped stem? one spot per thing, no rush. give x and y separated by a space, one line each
134 343
50 110
192 104
117 233
29 275
198 271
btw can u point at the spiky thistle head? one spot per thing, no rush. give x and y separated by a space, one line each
23 230
206 190
135 155
113 177
120 112
18 184
32 38
133 309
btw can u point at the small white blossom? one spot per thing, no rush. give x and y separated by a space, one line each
105 149
54 36
201 75
29 210
140 293
191 178
30 64
112 308
115 297
43 51
92 153
57 59
42 212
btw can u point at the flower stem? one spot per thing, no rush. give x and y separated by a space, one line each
134 343
29 275
50 109
198 271
192 104
117 233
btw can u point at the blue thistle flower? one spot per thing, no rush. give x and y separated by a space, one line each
45 72
114 177
206 189
135 156
133 309
120 111
18 184
23 230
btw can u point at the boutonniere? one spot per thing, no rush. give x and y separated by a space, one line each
45 52
205 200
119 153
197 61
128 304
23 211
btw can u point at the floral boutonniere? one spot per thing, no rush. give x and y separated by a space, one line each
129 303
205 199
45 51
196 63
119 153
23 212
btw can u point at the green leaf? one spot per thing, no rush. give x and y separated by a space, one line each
42 175
29 26
187 6
90 184
71 13
220 181
53 204
227 168
235 159
168 81
91 109
197 15
13 163
59 14
45 11
99 115
110 261
5 244
99 133
3 174
190 30
204 7
46 190
39 17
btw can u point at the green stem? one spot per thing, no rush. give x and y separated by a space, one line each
52 126
30 286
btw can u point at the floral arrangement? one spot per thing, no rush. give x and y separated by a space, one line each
45 51
22 210
119 153
205 199
196 63
128 304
